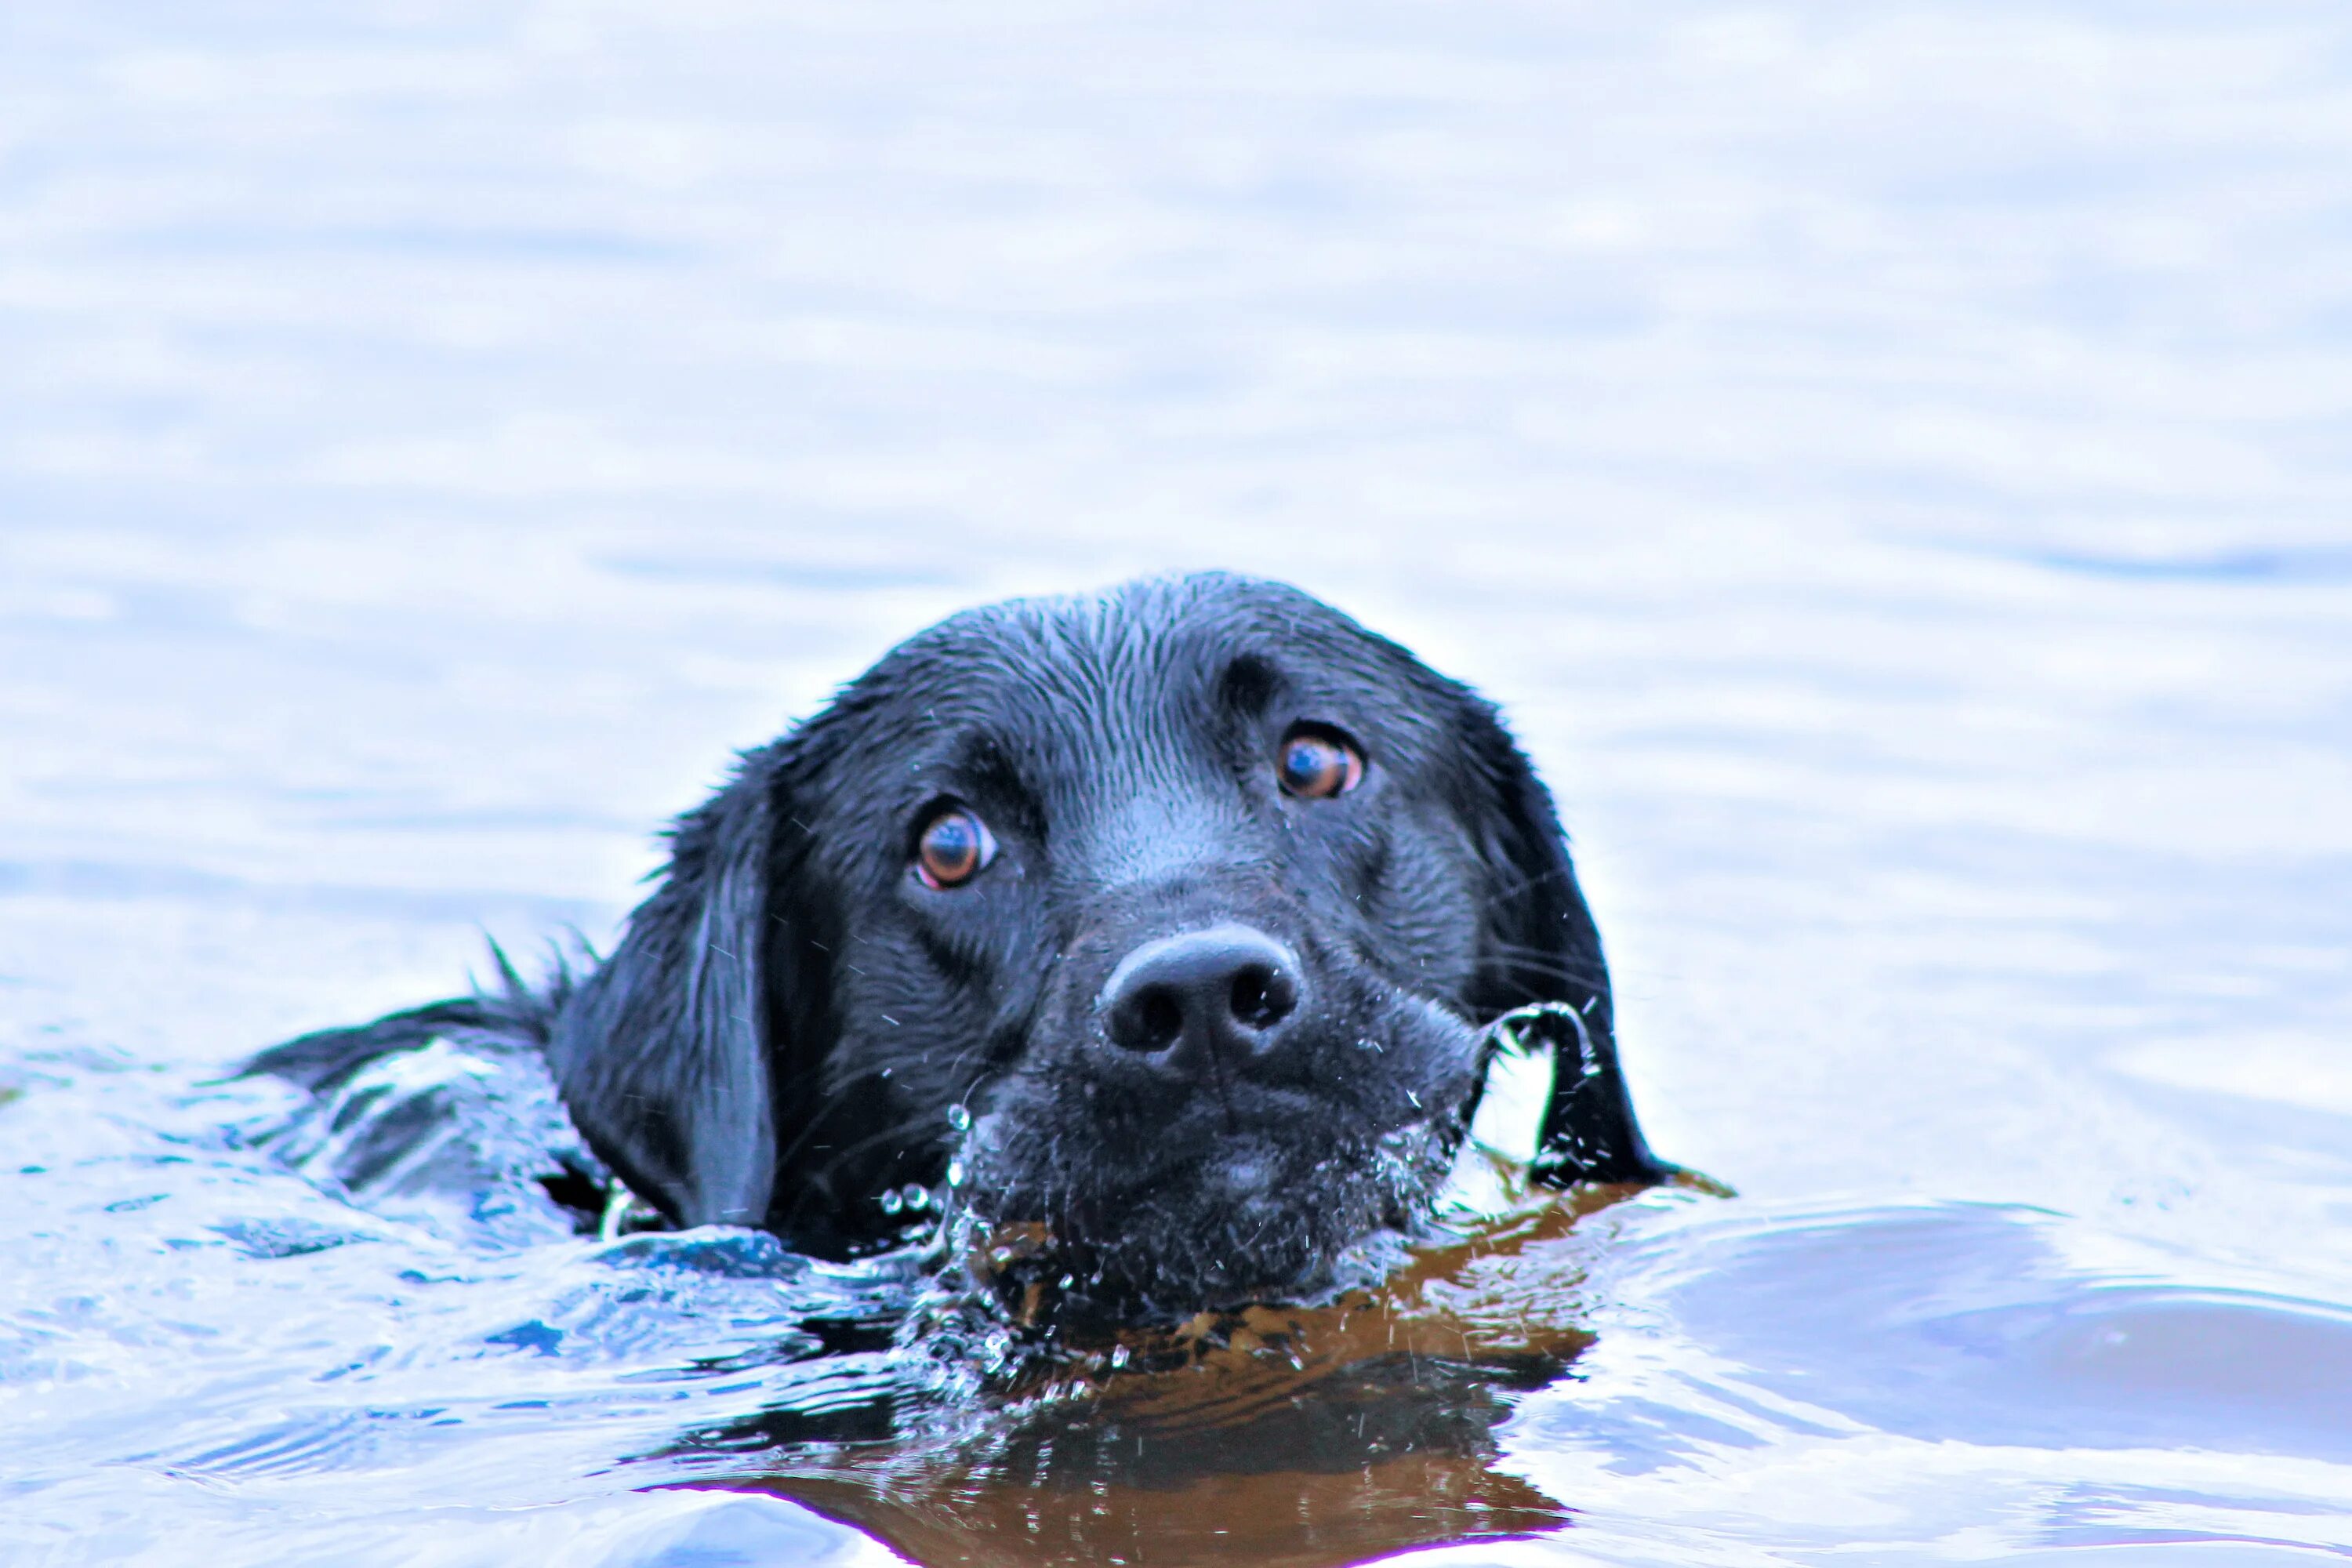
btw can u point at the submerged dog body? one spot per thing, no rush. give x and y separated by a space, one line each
1166 919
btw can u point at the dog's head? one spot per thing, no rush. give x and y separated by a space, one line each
1167 917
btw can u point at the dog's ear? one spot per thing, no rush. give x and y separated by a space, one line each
1539 945
663 1054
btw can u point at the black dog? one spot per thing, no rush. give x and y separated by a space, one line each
1167 917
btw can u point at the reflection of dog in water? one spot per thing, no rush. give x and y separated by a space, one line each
1296 1437
1164 922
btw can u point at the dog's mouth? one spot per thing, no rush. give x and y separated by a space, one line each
1278 1208
1229 1235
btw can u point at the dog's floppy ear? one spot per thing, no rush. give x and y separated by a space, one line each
663 1055
1540 945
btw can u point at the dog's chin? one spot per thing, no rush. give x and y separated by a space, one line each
1255 1219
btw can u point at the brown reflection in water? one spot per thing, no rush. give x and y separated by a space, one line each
1291 1438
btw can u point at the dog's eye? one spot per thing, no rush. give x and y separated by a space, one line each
1317 764
953 848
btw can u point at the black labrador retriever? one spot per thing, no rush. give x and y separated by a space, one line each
1165 921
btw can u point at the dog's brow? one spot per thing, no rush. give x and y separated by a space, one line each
984 759
991 771
1248 685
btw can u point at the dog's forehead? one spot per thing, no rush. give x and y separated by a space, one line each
1139 666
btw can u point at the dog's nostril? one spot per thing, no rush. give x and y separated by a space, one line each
1248 999
1262 997
1149 1022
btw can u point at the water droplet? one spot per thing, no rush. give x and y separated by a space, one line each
955 1172
892 1203
959 1118
916 1198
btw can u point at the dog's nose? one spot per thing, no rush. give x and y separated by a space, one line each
1201 995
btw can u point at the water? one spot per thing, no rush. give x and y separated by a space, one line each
1892 462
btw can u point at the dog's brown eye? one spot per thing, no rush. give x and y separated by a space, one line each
1318 764
952 847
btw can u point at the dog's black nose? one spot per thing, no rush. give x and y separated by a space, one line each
1200 995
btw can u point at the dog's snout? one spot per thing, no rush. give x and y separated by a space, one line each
1200 995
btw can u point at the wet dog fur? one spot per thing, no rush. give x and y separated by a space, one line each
798 1031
